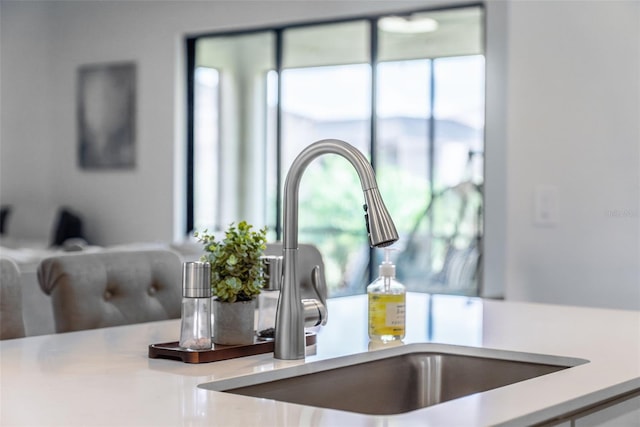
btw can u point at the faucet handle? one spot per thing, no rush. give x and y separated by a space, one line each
319 284
315 310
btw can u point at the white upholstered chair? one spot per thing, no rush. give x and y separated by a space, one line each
11 320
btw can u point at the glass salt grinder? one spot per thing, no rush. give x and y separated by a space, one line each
195 331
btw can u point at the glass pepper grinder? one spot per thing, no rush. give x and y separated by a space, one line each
195 332
268 298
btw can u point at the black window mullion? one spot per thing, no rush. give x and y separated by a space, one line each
373 57
190 70
278 60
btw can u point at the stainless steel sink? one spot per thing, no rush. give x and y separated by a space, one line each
397 380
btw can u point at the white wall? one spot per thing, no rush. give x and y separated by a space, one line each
574 124
562 94
25 141
44 41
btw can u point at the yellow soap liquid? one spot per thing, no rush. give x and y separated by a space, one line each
387 317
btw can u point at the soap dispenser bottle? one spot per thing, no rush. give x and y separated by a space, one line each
387 297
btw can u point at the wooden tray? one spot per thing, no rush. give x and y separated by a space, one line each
171 350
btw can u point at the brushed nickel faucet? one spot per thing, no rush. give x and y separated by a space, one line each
292 314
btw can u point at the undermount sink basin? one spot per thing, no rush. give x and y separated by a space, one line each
395 380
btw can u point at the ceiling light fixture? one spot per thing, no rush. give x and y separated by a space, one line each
407 25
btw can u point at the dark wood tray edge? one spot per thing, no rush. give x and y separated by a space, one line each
172 351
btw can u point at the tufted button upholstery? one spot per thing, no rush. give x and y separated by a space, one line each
100 289
11 321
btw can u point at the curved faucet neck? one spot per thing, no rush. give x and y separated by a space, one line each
292 183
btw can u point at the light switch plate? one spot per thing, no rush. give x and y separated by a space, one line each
545 206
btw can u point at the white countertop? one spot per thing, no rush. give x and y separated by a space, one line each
104 376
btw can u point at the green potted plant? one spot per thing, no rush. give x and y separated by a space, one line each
236 280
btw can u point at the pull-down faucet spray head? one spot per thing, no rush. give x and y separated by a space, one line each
380 228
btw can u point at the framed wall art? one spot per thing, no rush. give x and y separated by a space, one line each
106 107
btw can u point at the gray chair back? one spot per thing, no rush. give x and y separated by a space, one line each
11 321
308 257
111 288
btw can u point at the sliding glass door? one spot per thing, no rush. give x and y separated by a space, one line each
407 91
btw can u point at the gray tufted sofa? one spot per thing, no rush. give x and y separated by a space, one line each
111 288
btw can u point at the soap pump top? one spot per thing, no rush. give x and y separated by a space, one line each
387 268
386 281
